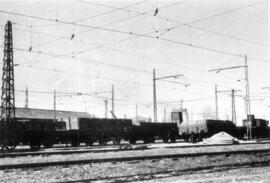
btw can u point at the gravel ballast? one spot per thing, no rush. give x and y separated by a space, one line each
147 152
138 170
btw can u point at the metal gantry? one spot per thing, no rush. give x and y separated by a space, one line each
8 132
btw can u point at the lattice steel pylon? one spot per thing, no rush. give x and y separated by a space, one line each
8 132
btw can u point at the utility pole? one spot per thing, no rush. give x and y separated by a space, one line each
249 123
106 108
233 107
247 96
54 105
187 118
8 135
136 112
233 102
165 118
113 101
26 98
154 90
181 105
216 101
154 95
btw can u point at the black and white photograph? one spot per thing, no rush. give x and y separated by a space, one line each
147 91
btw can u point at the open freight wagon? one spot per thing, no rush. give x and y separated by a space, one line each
101 130
33 132
195 132
149 132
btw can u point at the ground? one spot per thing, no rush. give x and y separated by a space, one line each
241 175
205 169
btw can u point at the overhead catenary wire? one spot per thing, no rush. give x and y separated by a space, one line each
111 23
189 25
94 94
67 94
84 59
90 60
98 77
104 78
195 46
144 35
68 35
109 48
113 49
111 11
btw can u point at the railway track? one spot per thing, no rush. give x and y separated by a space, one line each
64 147
176 173
100 149
128 159
71 151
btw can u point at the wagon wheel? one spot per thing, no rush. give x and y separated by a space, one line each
8 147
165 139
89 142
48 141
34 142
116 141
75 143
12 147
173 138
47 144
132 141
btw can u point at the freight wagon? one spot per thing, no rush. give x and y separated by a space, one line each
101 130
33 132
47 132
260 128
199 130
149 132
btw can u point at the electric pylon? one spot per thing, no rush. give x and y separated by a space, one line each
8 130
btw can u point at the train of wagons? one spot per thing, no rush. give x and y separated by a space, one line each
47 132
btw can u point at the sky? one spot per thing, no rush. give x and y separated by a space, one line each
86 46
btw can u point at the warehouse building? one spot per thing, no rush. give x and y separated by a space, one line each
70 117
